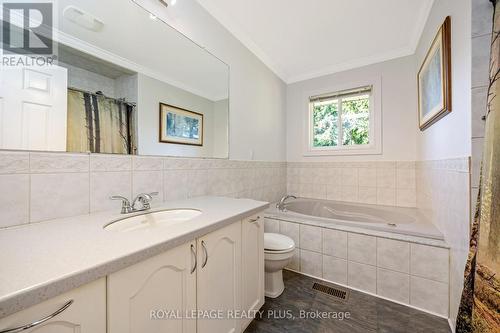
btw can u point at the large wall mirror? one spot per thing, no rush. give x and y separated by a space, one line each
124 82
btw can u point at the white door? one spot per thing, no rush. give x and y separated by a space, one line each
33 108
157 295
219 280
252 245
85 314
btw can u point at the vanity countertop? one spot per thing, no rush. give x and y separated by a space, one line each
42 260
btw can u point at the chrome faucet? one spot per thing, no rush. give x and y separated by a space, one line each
281 204
144 199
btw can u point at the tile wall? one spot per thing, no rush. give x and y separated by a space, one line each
482 14
405 272
42 186
482 18
383 183
443 196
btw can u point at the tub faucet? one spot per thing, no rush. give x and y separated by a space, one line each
281 204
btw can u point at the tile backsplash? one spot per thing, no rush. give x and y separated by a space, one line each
41 186
383 183
443 196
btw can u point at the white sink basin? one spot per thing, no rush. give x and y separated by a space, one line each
153 220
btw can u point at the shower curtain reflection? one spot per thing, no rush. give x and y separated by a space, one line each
99 124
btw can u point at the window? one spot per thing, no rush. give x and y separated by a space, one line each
342 121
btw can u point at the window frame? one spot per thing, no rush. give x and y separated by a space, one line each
375 125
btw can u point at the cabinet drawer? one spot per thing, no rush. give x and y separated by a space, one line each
85 314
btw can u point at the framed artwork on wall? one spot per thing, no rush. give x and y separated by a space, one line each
180 126
434 79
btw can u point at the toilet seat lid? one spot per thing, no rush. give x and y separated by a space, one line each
277 242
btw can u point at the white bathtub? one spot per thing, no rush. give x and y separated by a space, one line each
325 213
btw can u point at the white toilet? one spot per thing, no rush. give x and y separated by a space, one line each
278 251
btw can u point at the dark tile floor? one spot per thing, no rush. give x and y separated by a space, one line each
367 313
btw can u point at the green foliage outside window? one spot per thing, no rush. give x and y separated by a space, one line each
325 124
355 121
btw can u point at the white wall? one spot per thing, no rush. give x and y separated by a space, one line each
257 96
443 189
399 117
450 136
124 86
221 123
82 79
151 92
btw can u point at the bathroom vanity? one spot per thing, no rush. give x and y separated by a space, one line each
174 278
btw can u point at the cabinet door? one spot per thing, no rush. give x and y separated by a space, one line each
252 245
156 295
86 314
219 280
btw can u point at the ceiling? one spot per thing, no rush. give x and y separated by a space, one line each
300 40
155 49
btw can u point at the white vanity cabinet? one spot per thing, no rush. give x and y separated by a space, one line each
85 314
219 280
156 295
215 277
202 286
252 258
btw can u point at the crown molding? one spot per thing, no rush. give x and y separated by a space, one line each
352 64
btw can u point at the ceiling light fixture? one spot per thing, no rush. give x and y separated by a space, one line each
82 18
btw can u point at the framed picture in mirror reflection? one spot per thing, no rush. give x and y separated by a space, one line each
180 126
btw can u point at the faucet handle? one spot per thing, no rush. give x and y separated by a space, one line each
147 204
144 199
118 197
126 208
147 196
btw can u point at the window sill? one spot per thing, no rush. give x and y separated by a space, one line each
340 152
